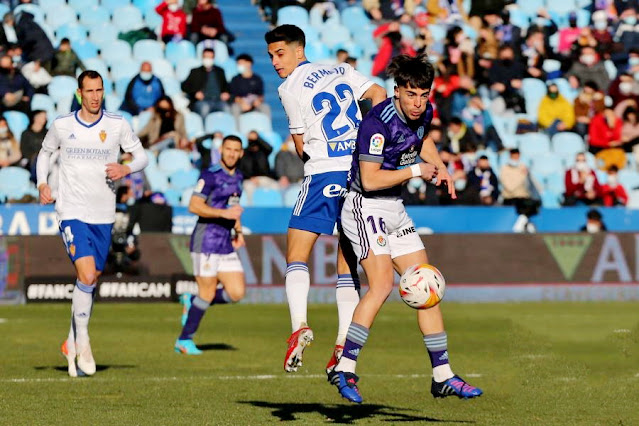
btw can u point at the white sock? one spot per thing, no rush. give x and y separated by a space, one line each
298 283
71 337
442 372
347 296
81 306
347 365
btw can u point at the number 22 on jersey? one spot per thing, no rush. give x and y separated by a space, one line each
324 100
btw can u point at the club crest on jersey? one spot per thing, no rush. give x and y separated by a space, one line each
72 249
103 135
420 132
377 144
381 241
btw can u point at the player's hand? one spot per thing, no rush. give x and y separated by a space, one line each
444 176
238 241
117 171
429 171
233 212
45 194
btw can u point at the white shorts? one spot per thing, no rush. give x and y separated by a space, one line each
208 265
379 225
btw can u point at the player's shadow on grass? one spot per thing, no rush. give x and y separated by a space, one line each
99 367
216 347
346 414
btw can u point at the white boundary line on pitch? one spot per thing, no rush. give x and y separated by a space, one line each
175 378
3 320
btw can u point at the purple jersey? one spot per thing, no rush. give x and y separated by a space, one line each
220 190
385 137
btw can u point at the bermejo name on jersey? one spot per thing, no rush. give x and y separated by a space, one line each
85 192
321 103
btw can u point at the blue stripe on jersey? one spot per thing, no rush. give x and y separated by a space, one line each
88 126
386 111
389 116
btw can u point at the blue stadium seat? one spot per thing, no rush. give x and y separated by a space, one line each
143 119
4 9
318 19
147 50
171 86
37 12
552 67
162 68
220 121
534 90
583 17
73 31
556 182
176 52
290 195
184 67
96 64
82 4
365 66
15 182
52 5
63 15
151 17
85 50
332 36
112 5
505 125
563 7
185 199
128 18
531 6
183 179
295 15
17 121
547 164
173 196
354 18
311 33
194 125
316 51
45 103
566 89
157 178
127 116
254 121
567 143
534 144
629 179
230 69
172 160
263 197
62 87
125 69
146 4
550 199
437 31
611 69
519 17
116 51
103 34
112 102
353 49
95 15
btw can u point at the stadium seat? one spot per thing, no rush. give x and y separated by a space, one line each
112 102
318 19
311 34
85 50
127 18
531 7
583 17
566 89
546 164
173 196
629 179
230 69
354 18
290 195
125 69
126 115
185 199
316 51
73 31
153 158
519 18
147 50
563 7
220 121
353 49
52 5
534 90
17 121
116 51
533 144
112 5
176 52
184 67
15 182
567 143
4 9
158 181
182 179
263 197
37 12
163 68
505 125
146 4
103 34
254 121
94 15
556 182
332 36
365 66
295 15
98 65
172 160
552 67
143 119
45 103
62 15
193 124
221 50
171 86
62 87
151 18
550 199
81 4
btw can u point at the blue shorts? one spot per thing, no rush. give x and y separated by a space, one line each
319 202
86 239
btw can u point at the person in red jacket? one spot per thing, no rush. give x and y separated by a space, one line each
605 131
174 20
391 45
582 186
614 194
207 23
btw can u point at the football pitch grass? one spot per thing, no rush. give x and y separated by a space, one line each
538 363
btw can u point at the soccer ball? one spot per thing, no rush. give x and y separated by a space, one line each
422 286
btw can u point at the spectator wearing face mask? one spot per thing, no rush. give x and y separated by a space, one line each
463 139
633 61
10 153
601 33
247 89
289 168
613 193
556 114
605 131
624 87
482 186
173 21
594 223
475 116
15 90
206 86
166 127
515 180
627 33
567 36
144 90
589 68
582 186
589 102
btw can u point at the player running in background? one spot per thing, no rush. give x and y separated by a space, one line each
216 200
89 142
390 138
323 114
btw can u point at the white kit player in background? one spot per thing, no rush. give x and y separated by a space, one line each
89 142
321 102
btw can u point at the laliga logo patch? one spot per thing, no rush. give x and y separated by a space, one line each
381 241
103 135
200 185
420 132
377 144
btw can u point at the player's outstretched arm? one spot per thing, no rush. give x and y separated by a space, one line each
375 93
375 179
430 154
198 206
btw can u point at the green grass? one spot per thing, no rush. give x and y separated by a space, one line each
538 363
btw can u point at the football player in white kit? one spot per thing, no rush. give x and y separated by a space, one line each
323 113
89 141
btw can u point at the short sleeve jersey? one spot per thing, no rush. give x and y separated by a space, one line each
386 138
220 190
321 103
85 192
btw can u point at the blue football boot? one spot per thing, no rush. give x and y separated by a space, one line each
346 385
454 386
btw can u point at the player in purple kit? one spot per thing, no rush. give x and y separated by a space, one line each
383 236
216 201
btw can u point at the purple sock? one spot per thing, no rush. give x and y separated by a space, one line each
221 297
197 311
437 344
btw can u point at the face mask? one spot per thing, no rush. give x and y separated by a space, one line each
553 95
592 227
625 87
174 7
612 180
587 59
514 163
460 184
541 22
630 20
474 111
3 131
242 69
217 143
208 62
146 76
634 60
17 58
581 166
601 25
130 201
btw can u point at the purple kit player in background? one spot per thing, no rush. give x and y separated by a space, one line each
216 201
390 139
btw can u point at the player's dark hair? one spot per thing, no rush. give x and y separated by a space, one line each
286 33
416 72
88 74
232 138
